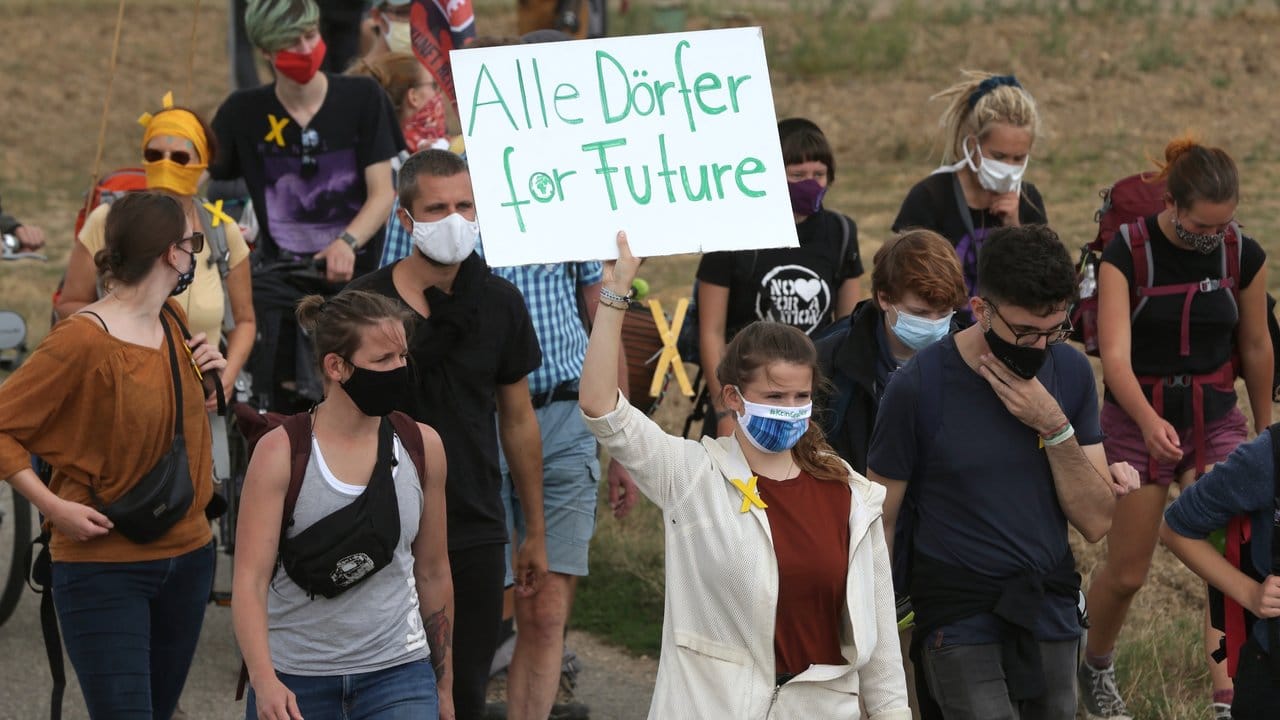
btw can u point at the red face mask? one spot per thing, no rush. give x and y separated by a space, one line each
300 67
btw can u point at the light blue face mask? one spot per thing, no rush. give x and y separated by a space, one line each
918 333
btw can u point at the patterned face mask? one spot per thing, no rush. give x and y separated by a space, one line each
1202 242
773 428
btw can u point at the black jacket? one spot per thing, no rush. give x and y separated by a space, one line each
848 359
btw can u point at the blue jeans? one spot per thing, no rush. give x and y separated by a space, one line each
403 692
130 629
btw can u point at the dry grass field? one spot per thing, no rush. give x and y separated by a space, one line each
1114 80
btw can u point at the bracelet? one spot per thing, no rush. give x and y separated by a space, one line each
1060 437
1065 424
606 302
608 295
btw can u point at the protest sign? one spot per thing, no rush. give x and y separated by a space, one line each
672 138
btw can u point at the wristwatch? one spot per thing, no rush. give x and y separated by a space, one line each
349 239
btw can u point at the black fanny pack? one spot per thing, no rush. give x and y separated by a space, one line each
349 545
164 494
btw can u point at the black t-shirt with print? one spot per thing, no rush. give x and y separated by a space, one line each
307 184
797 286
931 204
1156 333
457 380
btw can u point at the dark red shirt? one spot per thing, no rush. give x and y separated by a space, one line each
809 519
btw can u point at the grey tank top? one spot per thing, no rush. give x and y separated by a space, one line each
374 625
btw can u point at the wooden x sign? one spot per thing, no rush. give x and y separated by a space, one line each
670 356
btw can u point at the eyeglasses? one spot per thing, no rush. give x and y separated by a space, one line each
1054 336
181 157
310 144
197 242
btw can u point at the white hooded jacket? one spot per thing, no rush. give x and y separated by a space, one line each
722 589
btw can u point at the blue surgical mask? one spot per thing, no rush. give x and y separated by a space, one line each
918 333
774 428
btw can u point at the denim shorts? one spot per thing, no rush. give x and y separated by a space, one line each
570 480
402 692
1124 443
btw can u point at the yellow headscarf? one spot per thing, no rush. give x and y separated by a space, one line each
165 174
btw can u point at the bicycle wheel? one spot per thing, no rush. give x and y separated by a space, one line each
15 545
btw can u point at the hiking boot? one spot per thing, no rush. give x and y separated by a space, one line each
1099 695
1220 711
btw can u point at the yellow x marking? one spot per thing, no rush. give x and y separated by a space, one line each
750 495
277 129
669 354
219 217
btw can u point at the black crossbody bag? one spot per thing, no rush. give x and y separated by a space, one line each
163 495
352 543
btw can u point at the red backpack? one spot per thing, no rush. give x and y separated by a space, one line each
109 187
1129 200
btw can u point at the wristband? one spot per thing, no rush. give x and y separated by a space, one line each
1065 424
610 296
349 239
605 302
1060 437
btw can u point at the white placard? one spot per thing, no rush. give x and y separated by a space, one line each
672 138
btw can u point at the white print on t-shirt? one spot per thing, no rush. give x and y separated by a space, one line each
417 636
794 295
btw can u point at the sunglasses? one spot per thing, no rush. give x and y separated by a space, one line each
310 144
181 157
197 242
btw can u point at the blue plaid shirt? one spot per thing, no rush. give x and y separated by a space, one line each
550 291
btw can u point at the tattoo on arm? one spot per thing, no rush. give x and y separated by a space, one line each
439 639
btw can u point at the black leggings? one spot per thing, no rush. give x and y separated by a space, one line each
478 573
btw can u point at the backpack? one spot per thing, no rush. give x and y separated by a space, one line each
254 425
1229 616
1129 200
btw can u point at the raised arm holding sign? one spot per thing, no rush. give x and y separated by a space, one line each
598 130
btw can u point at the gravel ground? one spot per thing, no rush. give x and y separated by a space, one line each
614 684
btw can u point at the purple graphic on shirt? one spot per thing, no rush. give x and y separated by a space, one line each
309 210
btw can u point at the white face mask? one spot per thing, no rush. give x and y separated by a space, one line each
994 175
448 241
399 38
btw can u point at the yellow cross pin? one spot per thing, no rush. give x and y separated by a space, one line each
670 356
219 217
277 129
750 495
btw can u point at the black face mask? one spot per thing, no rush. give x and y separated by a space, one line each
184 278
377 392
1025 362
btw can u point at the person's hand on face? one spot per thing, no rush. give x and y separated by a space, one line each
1005 207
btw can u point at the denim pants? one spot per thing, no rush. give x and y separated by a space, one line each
403 692
968 683
130 629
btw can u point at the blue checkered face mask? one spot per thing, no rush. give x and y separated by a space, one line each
773 428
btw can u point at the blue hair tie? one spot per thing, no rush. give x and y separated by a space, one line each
990 84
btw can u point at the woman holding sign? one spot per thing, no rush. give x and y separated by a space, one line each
779 597
807 287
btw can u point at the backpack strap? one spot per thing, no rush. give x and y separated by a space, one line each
1135 236
220 255
298 428
186 335
411 439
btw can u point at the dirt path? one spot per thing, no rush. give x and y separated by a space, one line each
614 684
